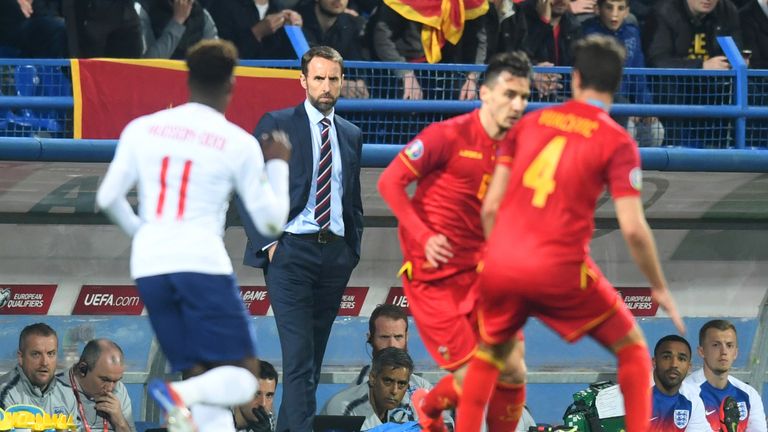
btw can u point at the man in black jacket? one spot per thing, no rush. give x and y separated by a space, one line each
506 27
754 26
683 34
34 27
552 29
255 27
326 22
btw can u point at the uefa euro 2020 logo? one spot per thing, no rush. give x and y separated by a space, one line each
5 295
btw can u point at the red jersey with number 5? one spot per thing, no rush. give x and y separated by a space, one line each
452 162
562 158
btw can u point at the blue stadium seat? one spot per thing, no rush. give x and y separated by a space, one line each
31 81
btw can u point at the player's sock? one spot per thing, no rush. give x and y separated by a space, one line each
211 418
505 407
478 385
443 396
634 370
223 386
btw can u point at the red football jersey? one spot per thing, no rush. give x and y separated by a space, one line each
452 162
561 158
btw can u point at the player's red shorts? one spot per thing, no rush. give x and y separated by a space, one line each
443 310
572 299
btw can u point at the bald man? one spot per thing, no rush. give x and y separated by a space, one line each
96 382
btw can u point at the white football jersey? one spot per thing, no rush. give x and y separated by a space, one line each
186 162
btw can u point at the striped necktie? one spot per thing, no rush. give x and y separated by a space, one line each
323 196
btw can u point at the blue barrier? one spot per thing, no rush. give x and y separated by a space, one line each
698 108
379 155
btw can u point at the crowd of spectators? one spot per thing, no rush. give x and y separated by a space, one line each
674 33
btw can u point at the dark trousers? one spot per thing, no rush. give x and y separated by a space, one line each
43 37
305 281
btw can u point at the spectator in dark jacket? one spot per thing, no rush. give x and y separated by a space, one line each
754 26
103 28
507 27
683 34
255 27
36 28
552 29
327 23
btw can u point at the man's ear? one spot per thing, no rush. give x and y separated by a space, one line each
484 90
19 355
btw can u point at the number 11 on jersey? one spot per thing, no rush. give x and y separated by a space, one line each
164 186
540 174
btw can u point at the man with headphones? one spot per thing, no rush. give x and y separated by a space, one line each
95 381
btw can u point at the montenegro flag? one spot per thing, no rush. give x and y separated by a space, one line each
441 20
109 93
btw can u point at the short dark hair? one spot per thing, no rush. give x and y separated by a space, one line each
671 338
321 51
514 62
599 59
93 349
602 2
388 310
393 358
211 63
37 329
719 324
267 371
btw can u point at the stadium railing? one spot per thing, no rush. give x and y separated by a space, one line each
710 110
734 104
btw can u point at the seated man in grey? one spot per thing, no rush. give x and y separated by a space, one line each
388 327
383 398
95 381
33 380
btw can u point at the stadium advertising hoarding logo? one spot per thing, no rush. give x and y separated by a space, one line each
396 296
352 301
26 299
108 300
255 299
638 300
